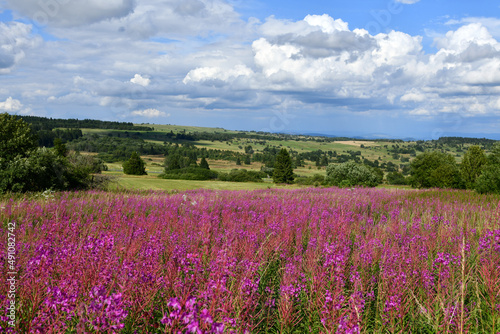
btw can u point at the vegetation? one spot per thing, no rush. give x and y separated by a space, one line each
242 175
135 165
24 167
435 169
449 162
283 170
189 173
16 139
267 261
489 179
349 174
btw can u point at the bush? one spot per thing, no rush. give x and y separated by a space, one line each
316 180
189 173
242 175
350 174
396 178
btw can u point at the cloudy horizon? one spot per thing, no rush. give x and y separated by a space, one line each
397 69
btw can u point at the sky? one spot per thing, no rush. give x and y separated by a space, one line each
366 68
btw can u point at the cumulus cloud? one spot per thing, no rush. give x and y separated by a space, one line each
11 105
140 80
70 13
150 113
15 39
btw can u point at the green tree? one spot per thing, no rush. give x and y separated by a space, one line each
472 164
238 161
350 174
283 170
247 160
16 138
135 165
489 179
435 169
60 148
204 163
172 162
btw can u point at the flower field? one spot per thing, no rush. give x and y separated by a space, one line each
265 261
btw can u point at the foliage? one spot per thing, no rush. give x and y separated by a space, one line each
489 180
350 174
16 138
44 169
283 170
189 173
472 163
242 175
396 178
204 163
60 148
435 169
316 180
135 165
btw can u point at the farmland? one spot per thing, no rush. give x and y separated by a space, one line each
265 261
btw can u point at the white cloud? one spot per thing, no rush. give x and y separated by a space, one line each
11 105
140 80
15 39
413 97
150 113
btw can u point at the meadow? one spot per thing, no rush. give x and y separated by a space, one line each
306 260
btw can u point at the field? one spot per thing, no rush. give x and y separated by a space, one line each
264 261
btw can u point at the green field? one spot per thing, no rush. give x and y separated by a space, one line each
154 183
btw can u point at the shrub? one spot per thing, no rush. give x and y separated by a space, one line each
190 173
396 178
242 175
350 174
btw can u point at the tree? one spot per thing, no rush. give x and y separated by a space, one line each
435 169
172 162
60 148
472 164
350 174
489 180
247 160
16 138
283 170
204 163
135 165
238 161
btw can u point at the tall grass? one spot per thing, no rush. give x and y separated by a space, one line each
265 261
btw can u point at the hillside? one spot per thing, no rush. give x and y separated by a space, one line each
226 150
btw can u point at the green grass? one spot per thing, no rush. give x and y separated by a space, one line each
154 183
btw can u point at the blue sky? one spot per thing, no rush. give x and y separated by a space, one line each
397 68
